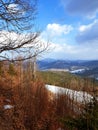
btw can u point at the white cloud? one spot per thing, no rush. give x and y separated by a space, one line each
56 33
16 9
12 39
68 49
73 52
13 8
88 33
84 28
58 30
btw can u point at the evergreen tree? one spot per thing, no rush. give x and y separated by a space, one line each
1 65
87 120
11 70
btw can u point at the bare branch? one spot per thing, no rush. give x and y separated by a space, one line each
17 30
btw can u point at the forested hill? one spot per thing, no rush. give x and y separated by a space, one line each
80 67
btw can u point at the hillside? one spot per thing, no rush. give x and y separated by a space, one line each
26 104
78 67
68 80
67 64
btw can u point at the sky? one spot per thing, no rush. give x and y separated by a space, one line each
70 27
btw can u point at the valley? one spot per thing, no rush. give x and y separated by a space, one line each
84 68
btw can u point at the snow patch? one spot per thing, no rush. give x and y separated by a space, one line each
8 107
78 96
77 71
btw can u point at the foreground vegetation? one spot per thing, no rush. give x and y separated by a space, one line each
67 80
32 107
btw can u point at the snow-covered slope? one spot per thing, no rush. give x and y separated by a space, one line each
78 96
77 71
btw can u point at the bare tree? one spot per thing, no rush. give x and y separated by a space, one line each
17 30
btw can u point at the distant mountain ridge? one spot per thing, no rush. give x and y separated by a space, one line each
66 64
90 68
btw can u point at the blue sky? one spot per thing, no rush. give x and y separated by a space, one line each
71 26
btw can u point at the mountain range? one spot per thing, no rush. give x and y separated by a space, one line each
87 68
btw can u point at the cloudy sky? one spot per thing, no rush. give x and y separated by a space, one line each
71 26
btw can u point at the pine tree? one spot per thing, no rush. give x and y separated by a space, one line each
11 70
1 70
87 120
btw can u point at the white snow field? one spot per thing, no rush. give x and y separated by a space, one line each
78 96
